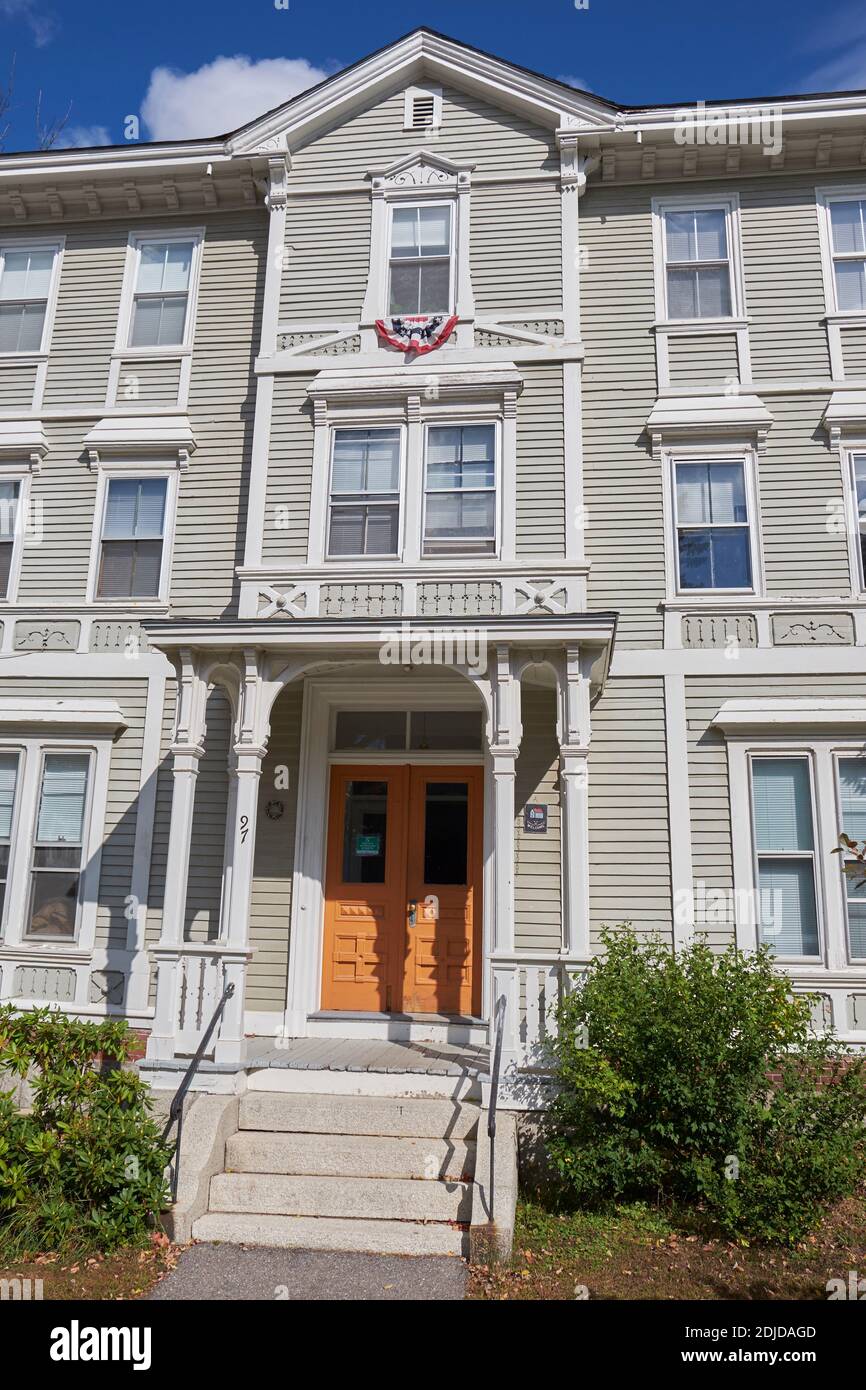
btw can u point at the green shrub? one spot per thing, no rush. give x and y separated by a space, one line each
83 1169
695 1079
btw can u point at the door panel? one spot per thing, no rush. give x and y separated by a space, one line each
444 883
365 890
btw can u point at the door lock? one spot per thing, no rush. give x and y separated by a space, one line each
413 912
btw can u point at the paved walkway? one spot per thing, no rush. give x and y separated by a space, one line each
234 1272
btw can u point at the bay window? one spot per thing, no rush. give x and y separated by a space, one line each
364 508
460 490
58 846
784 844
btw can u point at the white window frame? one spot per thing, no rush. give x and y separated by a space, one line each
730 206
137 240
26 243
807 756
21 474
32 751
455 422
850 453
357 427
838 752
134 468
749 460
824 197
416 203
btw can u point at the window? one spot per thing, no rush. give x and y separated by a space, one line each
8 784
26 276
402 730
713 539
697 263
852 818
848 250
858 463
58 847
365 493
420 259
131 550
784 842
460 490
9 525
162 290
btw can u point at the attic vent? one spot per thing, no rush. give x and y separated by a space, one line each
423 108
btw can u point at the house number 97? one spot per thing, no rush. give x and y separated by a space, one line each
245 825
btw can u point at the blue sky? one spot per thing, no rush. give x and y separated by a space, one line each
199 67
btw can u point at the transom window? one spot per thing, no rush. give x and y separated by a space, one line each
420 259
25 286
408 730
697 264
852 817
365 492
712 525
10 492
784 843
460 490
133 535
848 247
161 298
58 847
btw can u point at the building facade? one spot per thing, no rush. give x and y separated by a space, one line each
375 683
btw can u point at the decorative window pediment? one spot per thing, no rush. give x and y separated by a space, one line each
421 169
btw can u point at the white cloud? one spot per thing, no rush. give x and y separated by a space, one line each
43 24
570 81
83 137
222 95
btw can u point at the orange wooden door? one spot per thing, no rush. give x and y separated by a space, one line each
365 889
444 884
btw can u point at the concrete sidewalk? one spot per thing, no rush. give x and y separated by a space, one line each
259 1272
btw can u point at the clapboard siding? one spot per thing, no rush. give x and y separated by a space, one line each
629 853
17 381
801 502
622 482
710 361
85 324
271 904
541 464
538 867
472 131
327 258
151 383
854 352
290 472
63 493
115 876
516 248
207 846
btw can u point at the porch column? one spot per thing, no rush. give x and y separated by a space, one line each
504 745
574 733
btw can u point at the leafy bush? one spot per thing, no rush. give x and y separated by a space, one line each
83 1169
695 1078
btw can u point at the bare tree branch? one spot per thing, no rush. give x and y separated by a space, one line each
49 133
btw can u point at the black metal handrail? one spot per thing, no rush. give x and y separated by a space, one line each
499 1027
175 1110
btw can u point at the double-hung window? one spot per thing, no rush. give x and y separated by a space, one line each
58 846
26 274
132 539
852 817
365 492
697 262
10 496
784 846
858 465
8 785
420 259
848 252
163 281
713 533
460 490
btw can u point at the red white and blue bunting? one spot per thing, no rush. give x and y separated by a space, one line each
417 333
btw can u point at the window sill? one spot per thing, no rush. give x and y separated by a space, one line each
701 326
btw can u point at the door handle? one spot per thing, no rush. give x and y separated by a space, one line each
413 912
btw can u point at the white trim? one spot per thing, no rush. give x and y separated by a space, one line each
20 474
424 90
136 240
60 714
133 469
849 454
56 244
769 715
729 204
673 455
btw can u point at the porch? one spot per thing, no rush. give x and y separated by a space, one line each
530 683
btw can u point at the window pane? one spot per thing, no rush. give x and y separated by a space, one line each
851 284
444 729
443 444
693 494
727 493
846 219
164 265
158 322
404 232
383 461
61 804
8 509
150 511
435 232
712 236
479 442
696 236
789 921
21 327
683 294
695 559
53 901
385 729
452 515
852 796
5 566
714 292
365 829
381 531
405 288
856 891
435 284
116 569
8 779
147 563
348 466
120 508
681 244
178 261
26 274
783 804
446 832
346 534
731 561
